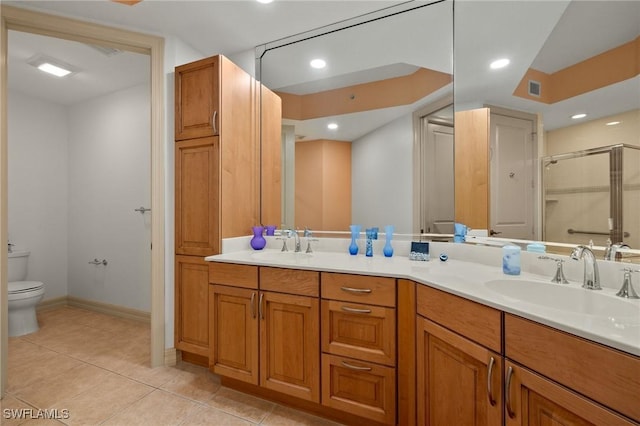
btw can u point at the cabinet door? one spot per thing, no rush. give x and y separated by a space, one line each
459 382
290 348
197 98
197 197
234 333
533 400
191 307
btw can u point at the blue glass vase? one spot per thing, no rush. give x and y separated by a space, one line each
258 242
355 232
388 250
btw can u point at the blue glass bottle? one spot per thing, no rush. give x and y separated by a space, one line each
388 250
355 232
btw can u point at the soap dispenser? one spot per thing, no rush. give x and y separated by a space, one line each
511 259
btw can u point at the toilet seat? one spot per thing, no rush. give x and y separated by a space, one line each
18 287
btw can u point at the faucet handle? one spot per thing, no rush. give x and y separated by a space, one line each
284 242
559 275
627 291
309 244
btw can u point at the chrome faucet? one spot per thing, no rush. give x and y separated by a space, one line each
559 275
591 279
627 291
288 233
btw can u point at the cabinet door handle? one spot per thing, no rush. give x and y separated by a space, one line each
355 367
492 400
510 411
214 122
356 290
260 308
253 305
355 310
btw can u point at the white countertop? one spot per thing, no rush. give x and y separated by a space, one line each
467 279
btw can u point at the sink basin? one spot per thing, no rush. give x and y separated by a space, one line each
565 298
280 256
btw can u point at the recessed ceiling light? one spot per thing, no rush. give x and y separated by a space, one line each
332 126
51 66
318 63
612 123
578 116
265 1
499 63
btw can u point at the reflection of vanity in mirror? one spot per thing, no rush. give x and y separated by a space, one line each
567 57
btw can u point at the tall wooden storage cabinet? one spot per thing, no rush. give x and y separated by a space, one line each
218 174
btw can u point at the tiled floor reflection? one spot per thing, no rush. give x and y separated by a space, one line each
88 368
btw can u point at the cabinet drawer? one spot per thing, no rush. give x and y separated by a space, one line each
292 281
359 289
235 275
364 332
606 375
477 322
358 387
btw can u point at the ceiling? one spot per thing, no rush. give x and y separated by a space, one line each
484 29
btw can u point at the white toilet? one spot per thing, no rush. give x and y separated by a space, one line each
23 296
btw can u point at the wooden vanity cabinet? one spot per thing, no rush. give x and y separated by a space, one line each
359 345
459 366
266 338
191 307
221 135
555 376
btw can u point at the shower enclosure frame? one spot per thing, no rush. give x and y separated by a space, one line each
615 152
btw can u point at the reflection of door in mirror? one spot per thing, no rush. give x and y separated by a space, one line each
512 187
436 171
495 179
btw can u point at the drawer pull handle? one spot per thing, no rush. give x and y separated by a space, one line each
355 367
356 290
355 310
253 305
492 400
510 411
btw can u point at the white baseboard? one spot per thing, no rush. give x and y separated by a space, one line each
91 305
170 357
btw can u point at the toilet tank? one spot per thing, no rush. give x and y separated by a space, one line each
17 268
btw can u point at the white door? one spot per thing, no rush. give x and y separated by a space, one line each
437 178
512 162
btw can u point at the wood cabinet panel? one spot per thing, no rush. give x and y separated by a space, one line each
289 345
364 332
191 305
459 382
197 202
234 333
471 175
292 281
359 289
234 275
477 322
532 400
197 99
358 387
271 157
610 377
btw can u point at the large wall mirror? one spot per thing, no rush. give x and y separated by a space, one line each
350 128
577 59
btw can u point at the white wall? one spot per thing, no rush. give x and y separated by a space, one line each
109 176
37 134
382 177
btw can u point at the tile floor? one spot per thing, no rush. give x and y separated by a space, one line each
88 368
